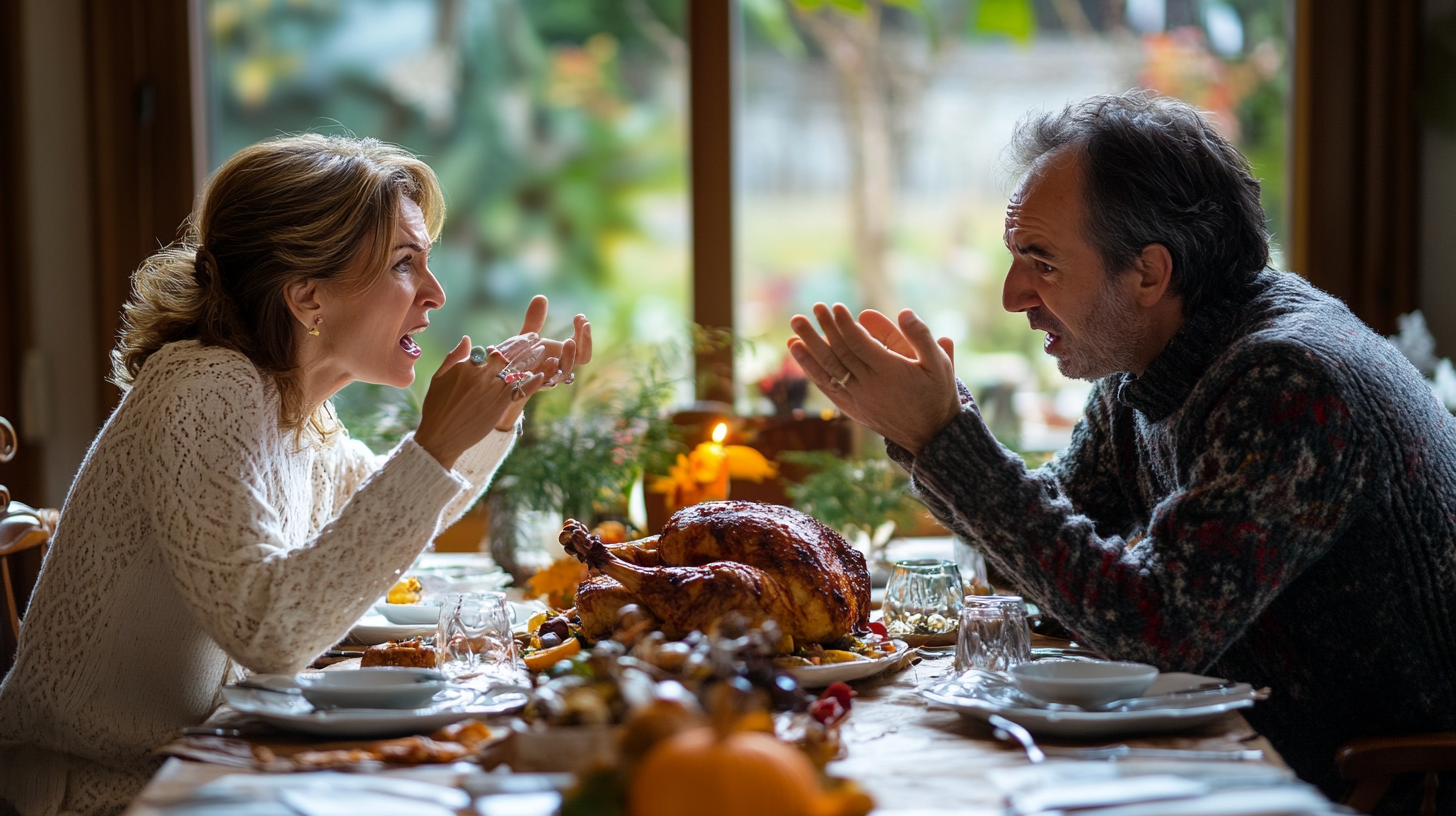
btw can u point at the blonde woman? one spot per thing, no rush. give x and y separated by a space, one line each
222 520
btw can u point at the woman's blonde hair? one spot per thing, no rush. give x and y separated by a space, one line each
293 208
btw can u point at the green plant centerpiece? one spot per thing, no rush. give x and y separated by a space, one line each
582 450
864 499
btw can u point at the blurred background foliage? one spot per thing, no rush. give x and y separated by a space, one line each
867 170
556 130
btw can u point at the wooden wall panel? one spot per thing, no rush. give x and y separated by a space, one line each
1357 154
710 102
141 92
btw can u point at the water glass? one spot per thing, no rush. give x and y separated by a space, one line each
972 566
994 633
922 598
474 637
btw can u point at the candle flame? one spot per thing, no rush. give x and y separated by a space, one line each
720 432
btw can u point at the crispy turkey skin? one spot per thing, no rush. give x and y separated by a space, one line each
763 560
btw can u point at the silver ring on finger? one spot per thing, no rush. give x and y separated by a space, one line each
478 355
841 382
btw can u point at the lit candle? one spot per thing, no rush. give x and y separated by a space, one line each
703 475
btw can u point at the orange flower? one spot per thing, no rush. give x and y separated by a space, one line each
558 582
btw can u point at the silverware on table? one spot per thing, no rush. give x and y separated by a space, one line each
248 683
204 731
1008 731
1115 752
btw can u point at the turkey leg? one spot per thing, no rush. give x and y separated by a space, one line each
689 598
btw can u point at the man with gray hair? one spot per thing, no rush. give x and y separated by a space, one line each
1262 488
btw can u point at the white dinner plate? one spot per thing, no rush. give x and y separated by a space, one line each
821 676
374 628
1106 723
293 713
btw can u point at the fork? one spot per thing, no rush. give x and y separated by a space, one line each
1008 731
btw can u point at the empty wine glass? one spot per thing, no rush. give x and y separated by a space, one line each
474 637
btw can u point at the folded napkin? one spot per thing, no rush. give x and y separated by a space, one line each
320 794
1156 789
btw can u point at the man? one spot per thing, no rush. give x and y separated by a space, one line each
1262 488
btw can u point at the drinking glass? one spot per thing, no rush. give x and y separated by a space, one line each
474 636
922 598
972 567
994 633
522 353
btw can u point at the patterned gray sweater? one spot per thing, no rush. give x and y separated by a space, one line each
1273 501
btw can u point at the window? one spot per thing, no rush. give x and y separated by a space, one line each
869 147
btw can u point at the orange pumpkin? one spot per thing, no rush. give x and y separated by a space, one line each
744 773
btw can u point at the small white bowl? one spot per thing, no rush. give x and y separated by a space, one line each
415 614
374 687
1084 683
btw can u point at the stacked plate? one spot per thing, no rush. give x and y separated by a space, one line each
1173 702
368 703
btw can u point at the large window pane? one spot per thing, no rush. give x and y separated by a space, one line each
870 146
557 130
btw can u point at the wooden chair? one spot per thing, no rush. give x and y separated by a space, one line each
1372 763
22 528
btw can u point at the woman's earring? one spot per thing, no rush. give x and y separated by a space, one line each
313 330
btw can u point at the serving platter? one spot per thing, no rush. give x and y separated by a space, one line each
821 676
1089 724
292 713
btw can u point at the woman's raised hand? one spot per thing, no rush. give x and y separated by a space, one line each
560 358
466 401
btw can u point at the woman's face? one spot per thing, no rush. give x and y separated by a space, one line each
367 335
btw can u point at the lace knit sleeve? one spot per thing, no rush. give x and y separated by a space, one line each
269 599
351 462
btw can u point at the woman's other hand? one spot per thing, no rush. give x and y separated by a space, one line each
466 401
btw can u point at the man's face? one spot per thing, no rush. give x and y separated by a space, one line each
1057 277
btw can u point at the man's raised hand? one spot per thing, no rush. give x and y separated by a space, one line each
896 380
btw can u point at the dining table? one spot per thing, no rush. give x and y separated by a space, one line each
912 757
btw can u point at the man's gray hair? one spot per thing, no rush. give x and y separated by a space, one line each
1157 172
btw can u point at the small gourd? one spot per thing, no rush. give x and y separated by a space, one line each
745 773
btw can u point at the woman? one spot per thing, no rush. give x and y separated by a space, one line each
221 520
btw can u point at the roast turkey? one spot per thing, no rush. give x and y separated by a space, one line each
764 561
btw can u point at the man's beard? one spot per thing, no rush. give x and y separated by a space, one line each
1109 341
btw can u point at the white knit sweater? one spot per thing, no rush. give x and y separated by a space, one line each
198 537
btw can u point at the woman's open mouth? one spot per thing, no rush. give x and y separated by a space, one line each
410 346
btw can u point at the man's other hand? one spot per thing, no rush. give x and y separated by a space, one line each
896 380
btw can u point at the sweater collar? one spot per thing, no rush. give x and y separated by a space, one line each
1171 375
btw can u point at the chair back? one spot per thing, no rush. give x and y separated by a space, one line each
1371 764
22 529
